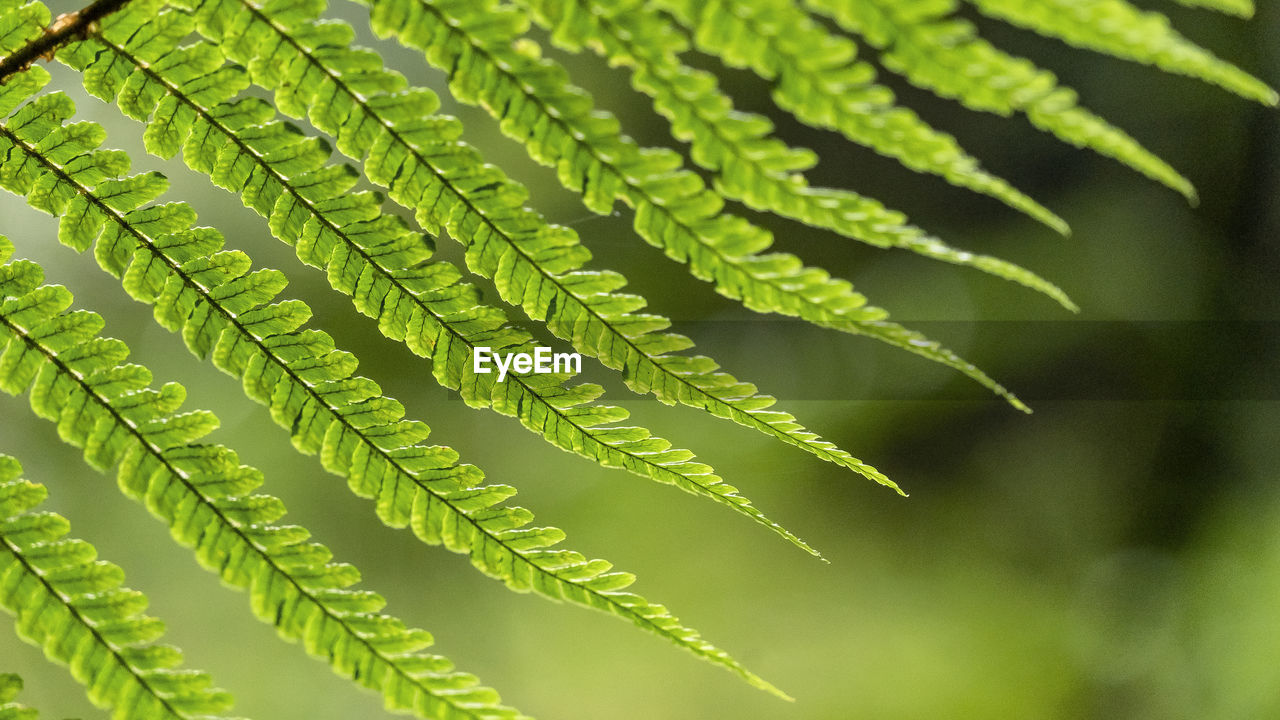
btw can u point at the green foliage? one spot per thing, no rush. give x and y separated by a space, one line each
226 312
674 210
1117 28
196 100
73 605
105 407
376 260
376 118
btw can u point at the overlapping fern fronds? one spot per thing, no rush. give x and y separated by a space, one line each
106 407
534 265
384 267
233 315
194 99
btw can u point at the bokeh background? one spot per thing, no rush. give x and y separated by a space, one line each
1114 555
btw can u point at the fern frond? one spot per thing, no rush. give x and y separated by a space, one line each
368 256
73 605
105 407
313 70
632 33
821 83
555 121
309 386
726 251
1117 28
945 55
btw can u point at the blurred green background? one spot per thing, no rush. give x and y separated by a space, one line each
1114 555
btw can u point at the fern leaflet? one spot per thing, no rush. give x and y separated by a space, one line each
73 605
369 256
309 386
10 686
1241 8
465 39
80 382
313 71
1117 28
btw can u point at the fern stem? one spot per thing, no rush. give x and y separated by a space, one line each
68 28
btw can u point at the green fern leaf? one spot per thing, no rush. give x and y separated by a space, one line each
190 101
728 254
74 606
579 306
634 34
945 55
310 387
1117 28
369 256
103 406
821 84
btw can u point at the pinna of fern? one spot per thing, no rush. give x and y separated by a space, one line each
192 102
70 603
104 406
367 255
80 381
227 313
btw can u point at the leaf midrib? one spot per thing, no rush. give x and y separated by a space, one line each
142 239
641 195
92 629
637 617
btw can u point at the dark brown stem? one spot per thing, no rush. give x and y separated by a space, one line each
69 27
